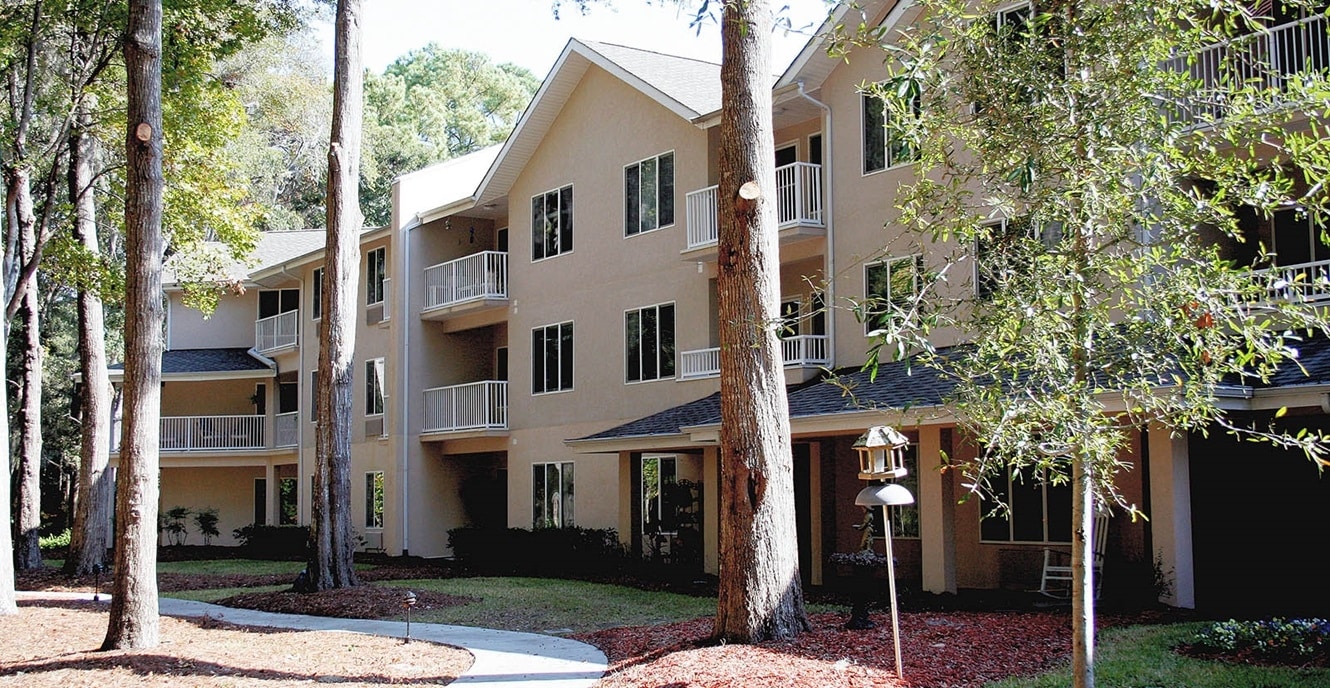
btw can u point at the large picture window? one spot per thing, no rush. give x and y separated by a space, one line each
552 358
376 266
552 495
1040 512
374 499
648 193
649 343
884 141
889 286
374 394
552 223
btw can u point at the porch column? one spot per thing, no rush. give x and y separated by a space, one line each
815 512
937 515
1170 513
270 490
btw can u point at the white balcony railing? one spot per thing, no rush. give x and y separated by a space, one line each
204 433
799 351
798 202
473 406
276 331
482 275
1303 282
286 429
1266 60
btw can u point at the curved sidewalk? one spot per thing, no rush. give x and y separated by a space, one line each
503 659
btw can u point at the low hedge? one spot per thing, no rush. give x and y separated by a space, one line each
547 552
274 542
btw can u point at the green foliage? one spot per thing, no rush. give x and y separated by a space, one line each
542 552
206 520
273 542
172 522
1122 287
57 541
1274 640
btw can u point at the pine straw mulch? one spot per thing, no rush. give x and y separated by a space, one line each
55 645
363 602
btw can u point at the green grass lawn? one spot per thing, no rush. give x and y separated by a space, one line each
1140 657
543 605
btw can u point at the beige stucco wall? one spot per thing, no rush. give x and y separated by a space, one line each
230 325
228 490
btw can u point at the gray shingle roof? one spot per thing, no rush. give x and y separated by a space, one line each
179 361
695 84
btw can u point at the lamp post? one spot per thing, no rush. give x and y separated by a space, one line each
882 457
408 601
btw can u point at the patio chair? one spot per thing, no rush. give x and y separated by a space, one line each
1056 579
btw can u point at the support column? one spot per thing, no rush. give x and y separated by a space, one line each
270 492
815 512
1170 513
937 515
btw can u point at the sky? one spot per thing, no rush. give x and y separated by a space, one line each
525 32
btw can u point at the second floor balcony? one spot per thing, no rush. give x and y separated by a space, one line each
230 433
799 351
1308 282
475 285
481 406
798 206
277 332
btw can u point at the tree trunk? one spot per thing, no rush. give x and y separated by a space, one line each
760 595
133 618
1082 575
18 214
27 547
90 534
331 536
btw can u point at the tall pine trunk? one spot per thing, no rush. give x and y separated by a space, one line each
27 546
90 535
760 595
331 536
18 214
133 619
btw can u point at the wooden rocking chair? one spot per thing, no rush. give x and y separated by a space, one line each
1056 579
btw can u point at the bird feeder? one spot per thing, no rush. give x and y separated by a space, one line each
881 452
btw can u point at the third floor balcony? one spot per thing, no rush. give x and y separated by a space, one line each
467 292
472 407
799 199
807 351
277 332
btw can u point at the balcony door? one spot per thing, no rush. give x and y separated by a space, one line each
277 301
1298 239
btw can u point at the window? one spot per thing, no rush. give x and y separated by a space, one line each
1039 512
552 495
889 286
1006 248
552 223
552 358
316 291
260 501
884 142
659 510
1297 235
313 396
648 194
649 343
374 499
376 266
287 503
374 387
789 316
905 519
277 301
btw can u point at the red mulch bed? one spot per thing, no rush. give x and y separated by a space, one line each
940 650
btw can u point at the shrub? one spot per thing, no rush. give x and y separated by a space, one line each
55 541
274 542
1273 640
206 520
551 552
173 523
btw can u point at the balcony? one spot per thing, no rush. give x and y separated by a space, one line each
286 429
1303 282
460 408
1266 60
799 351
205 434
468 292
798 209
276 332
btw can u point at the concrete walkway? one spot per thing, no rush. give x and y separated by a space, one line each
504 659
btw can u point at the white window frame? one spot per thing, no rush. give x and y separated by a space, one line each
376 274
374 511
888 163
916 263
1041 483
660 358
562 231
375 376
660 196
316 292
660 490
565 516
563 385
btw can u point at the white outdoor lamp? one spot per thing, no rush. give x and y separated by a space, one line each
888 495
881 451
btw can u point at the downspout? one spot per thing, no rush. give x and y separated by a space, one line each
300 388
829 297
404 365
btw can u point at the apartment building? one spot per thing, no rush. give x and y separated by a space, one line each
538 347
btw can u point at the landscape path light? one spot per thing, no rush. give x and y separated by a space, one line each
885 496
408 601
